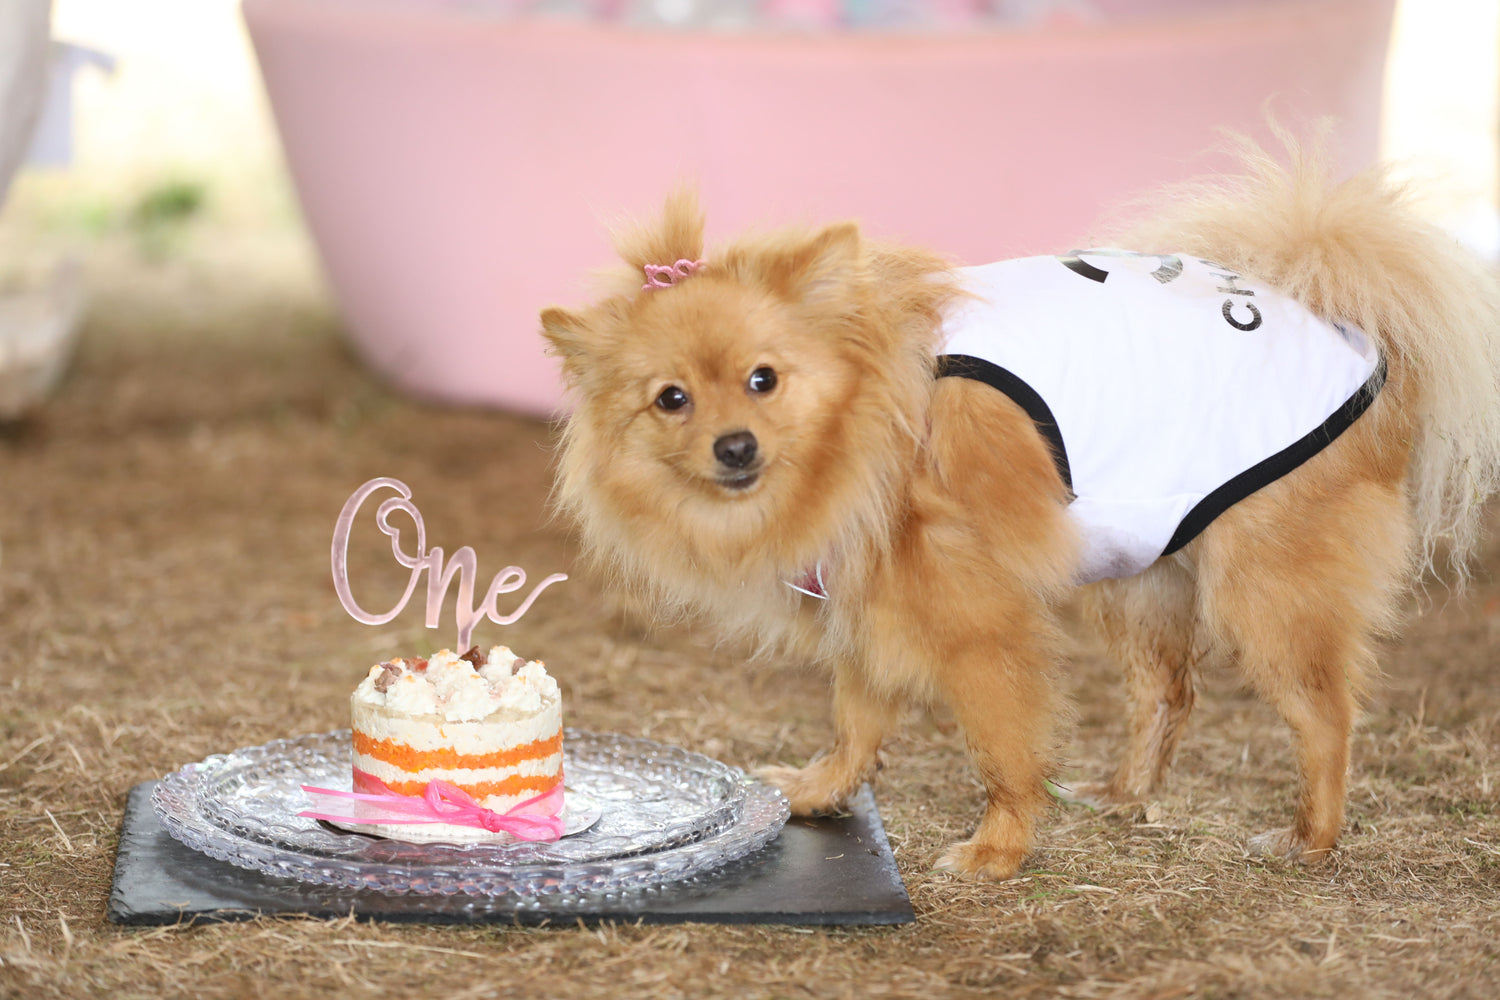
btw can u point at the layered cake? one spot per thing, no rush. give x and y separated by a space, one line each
489 724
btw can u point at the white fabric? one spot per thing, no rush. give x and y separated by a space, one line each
1159 397
24 29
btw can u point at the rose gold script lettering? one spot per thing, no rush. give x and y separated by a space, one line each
464 565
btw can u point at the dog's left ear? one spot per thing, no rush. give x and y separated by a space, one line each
825 272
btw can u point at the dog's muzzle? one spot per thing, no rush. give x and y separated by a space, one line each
738 455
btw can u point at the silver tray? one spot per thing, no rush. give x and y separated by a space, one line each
667 815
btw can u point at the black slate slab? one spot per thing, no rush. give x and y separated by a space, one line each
826 871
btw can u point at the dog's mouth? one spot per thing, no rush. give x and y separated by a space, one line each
739 480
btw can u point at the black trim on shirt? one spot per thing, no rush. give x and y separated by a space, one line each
1268 470
1261 474
1023 395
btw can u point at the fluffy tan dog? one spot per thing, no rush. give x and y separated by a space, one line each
773 414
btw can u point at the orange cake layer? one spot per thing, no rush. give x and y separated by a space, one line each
413 760
514 785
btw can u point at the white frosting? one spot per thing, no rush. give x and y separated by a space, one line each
433 732
541 767
409 695
451 688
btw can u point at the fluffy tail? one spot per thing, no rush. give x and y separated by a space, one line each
1354 251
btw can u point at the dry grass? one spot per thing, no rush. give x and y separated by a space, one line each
164 594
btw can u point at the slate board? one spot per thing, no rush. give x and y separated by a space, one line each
826 871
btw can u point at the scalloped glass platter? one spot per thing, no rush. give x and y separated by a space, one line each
666 814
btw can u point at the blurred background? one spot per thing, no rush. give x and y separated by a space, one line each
432 172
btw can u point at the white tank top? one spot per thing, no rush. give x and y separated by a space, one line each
1168 387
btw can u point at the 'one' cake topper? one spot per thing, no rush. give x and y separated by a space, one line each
464 563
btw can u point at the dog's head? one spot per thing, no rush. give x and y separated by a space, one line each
734 397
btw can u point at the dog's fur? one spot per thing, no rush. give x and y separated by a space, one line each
951 554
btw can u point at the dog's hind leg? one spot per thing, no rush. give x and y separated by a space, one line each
1297 582
1301 667
1149 623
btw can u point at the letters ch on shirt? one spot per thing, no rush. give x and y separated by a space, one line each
1169 267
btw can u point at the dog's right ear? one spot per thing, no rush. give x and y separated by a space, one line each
585 338
567 332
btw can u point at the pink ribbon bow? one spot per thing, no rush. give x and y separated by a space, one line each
665 276
537 819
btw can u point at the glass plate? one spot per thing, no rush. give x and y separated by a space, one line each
667 814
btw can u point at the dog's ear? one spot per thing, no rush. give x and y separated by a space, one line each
568 333
584 338
677 235
824 271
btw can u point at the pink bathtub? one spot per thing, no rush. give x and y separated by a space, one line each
456 170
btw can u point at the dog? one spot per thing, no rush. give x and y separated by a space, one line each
804 439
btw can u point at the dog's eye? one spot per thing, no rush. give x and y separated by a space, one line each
672 398
761 380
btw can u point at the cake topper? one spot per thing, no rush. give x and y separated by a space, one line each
464 564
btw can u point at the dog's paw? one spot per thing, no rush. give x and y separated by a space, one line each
1286 844
1097 794
974 860
806 788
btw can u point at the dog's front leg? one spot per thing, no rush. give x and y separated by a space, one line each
862 718
1003 703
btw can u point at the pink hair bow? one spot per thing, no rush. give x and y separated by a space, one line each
536 819
667 275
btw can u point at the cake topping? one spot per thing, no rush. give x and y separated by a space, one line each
458 689
388 673
474 656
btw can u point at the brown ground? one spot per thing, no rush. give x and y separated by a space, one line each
164 595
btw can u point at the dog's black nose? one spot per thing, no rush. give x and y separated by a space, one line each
735 450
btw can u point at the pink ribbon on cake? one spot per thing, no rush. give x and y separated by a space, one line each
537 819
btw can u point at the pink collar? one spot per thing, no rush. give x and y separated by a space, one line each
811 582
